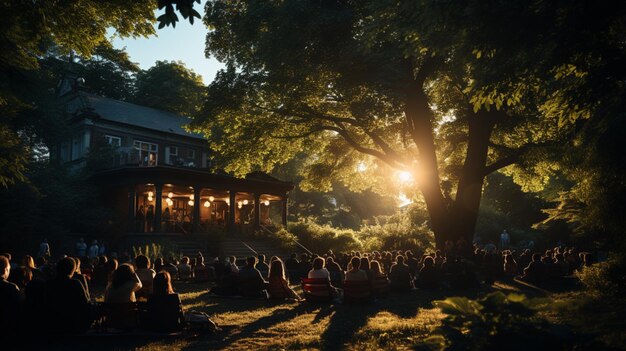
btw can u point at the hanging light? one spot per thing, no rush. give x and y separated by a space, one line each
150 198
170 194
239 205
245 202
211 198
228 202
169 202
150 194
207 204
266 202
190 202
191 197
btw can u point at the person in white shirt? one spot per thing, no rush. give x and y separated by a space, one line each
93 249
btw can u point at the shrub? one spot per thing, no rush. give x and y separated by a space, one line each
319 239
495 322
397 232
157 249
605 278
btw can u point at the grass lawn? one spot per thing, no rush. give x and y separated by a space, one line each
399 322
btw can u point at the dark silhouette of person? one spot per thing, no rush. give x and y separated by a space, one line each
164 309
67 303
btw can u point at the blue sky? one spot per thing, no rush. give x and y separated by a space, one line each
184 43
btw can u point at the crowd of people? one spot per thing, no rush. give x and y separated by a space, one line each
61 295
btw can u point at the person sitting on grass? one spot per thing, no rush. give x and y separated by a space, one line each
201 272
400 275
67 304
278 283
123 286
380 282
250 281
536 270
510 266
356 273
261 265
184 269
164 312
428 277
145 274
10 302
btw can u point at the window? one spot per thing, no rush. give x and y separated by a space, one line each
173 151
148 153
113 140
191 154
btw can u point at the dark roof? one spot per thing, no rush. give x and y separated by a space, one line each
136 115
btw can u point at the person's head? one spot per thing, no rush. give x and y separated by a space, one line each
232 259
251 261
409 253
375 267
536 257
94 242
185 260
122 275
77 262
355 262
330 259
7 255
318 263
162 284
200 260
5 267
261 258
277 269
400 259
158 263
28 262
429 262
142 262
365 263
66 267
20 276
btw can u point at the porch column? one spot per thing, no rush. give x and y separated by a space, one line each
231 212
257 211
158 208
284 210
132 195
196 209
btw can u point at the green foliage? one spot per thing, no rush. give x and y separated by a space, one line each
280 237
154 250
319 239
605 278
170 86
405 230
494 322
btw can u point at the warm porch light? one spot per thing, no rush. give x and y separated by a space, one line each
207 204
228 202
170 194
190 202
150 194
169 202
266 202
211 198
150 198
191 197
245 202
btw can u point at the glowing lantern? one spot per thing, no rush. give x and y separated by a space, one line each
266 202
211 198
207 204
190 202
170 194
245 202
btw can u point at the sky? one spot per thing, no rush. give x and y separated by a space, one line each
184 43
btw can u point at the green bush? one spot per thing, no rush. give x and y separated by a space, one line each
605 278
495 322
319 239
157 249
397 232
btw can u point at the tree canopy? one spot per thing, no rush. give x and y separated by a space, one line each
170 86
447 91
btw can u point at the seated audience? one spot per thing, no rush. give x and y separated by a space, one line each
10 302
536 270
68 309
123 286
400 275
278 283
250 281
184 269
145 274
164 311
428 277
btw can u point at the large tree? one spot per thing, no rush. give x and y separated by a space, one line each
449 91
170 86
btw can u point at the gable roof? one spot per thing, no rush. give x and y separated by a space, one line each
136 115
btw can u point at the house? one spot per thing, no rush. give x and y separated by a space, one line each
159 178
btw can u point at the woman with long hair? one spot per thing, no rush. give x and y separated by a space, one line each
278 283
123 285
164 311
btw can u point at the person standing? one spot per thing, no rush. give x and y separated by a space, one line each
140 220
93 249
81 248
44 248
505 240
150 219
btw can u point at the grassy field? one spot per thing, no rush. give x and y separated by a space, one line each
399 322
